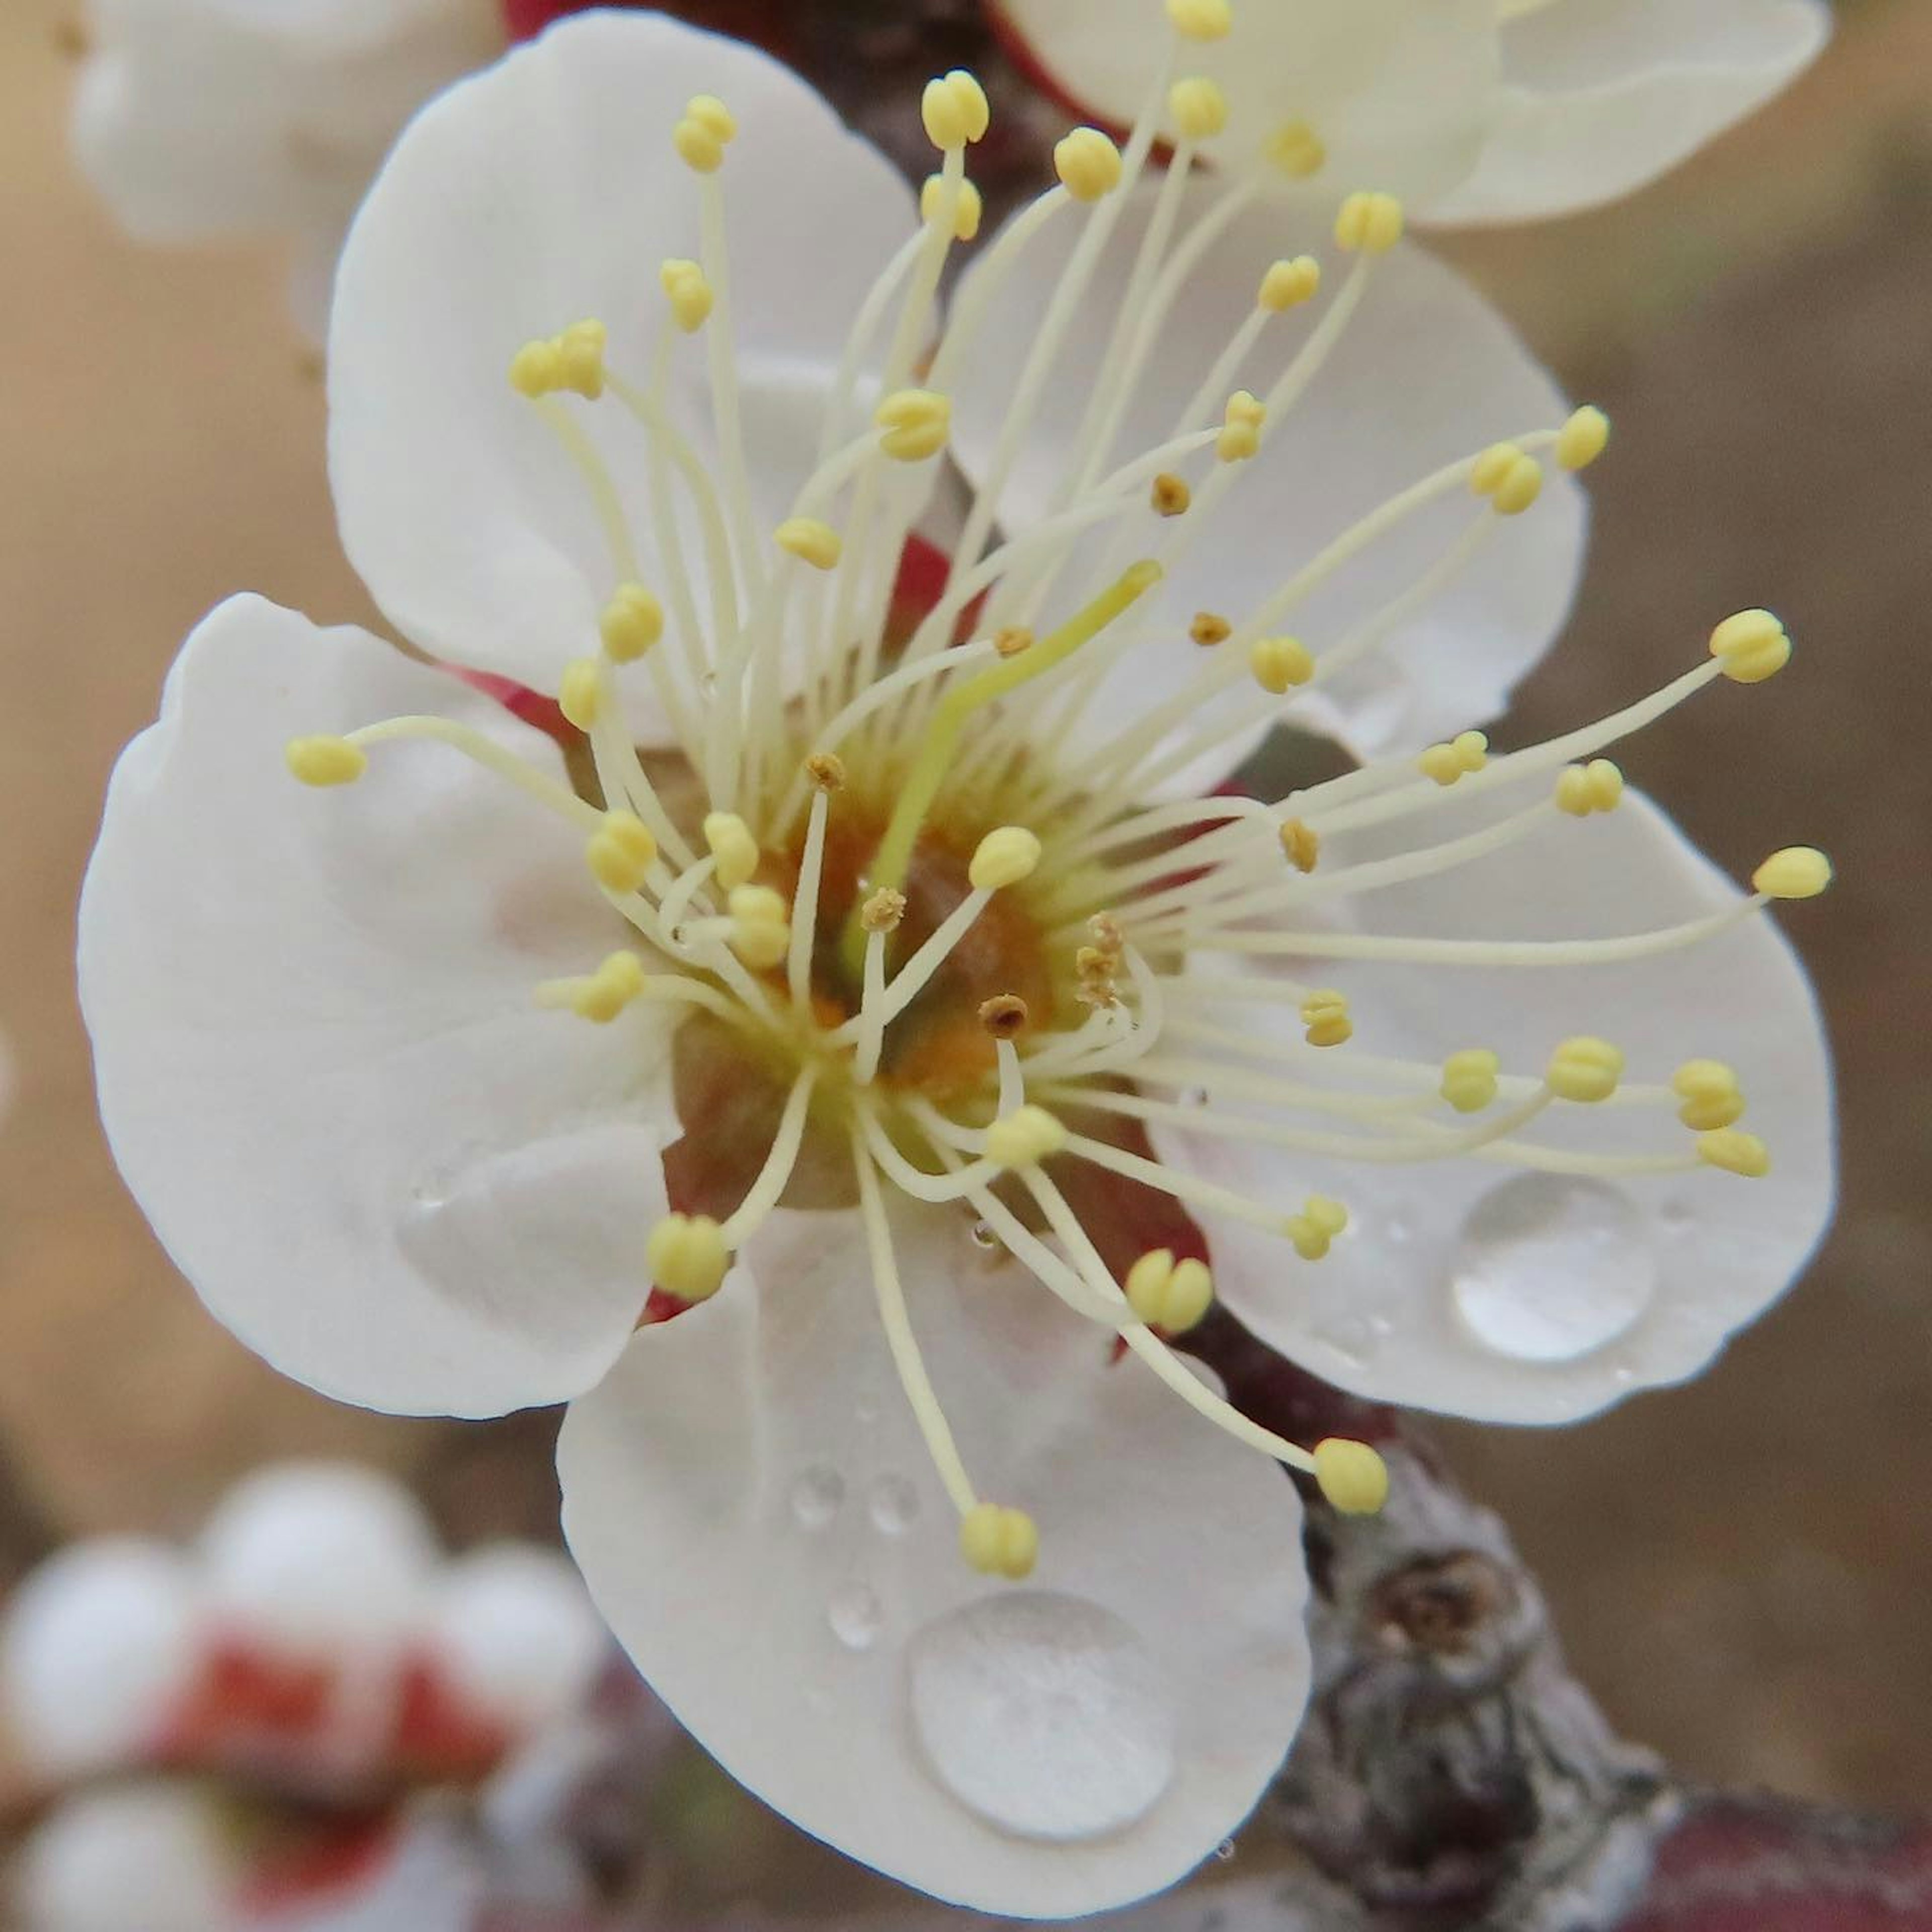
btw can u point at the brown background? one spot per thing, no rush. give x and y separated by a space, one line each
1742 1566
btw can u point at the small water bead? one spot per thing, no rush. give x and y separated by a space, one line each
893 1505
857 1616
1550 1268
1045 1714
817 1497
1225 1850
983 1236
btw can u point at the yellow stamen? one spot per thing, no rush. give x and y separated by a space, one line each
1196 109
1004 857
1088 164
1752 646
1025 1137
687 1256
1325 1016
321 760
1288 284
1798 872
1353 1476
1172 1296
1370 224
955 110
999 1542
1584 1069
1735 1152
1470 1079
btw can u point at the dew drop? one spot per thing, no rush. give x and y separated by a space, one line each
856 1616
893 1505
1046 1714
1225 1850
983 1236
1551 1267
817 1497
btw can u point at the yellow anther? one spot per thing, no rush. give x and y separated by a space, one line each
826 770
690 293
916 423
698 146
1241 422
883 911
1700 1079
620 852
969 209
1521 484
1202 20
1735 1152
1025 1137
1002 858
955 110
1352 1476
731 842
1297 150
580 695
1752 645
1210 629
711 113
321 760
1324 1016
1798 872
1469 1079
1313 1230
536 370
1705 1113
580 359
1584 1069
1288 284
1301 844
633 621
1369 223
1172 1296
999 1542
687 1256
1583 789
1170 496
1243 406
1087 163
1280 663
604 993
1467 751
1582 439
760 931
812 541
1487 471
1011 640
1196 109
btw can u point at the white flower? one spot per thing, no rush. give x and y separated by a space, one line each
198 120
1474 110
146 1854
851 1015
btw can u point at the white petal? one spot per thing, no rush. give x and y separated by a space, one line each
1399 91
320 1064
1426 373
100 1643
149 1855
748 1497
1467 1287
1604 95
515 1633
543 192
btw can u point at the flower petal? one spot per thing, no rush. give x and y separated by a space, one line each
541 192
1426 373
749 1500
1602 96
320 1065
1464 1287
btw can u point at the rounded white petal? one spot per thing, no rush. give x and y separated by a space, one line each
1400 92
99 1645
542 193
756 1517
1470 1286
514 1631
320 1559
1602 96
1426 373
149 1855
320 1066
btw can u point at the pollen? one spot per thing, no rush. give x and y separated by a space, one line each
955 110
825 770
811 540
580 696
620 852
1583 438
1170 496
916 423
1798 872
1324 1018
1298 151
1469 1079
1581 790
1287 284
1752 646
1012 639
687 1256
883 911
1000 1542
1735 1152
1369 224
732 845
1202 20
1197 108
1025 1138
969 208
1280 663
1584 1069
1004 1016
1172 1296
1468 751
1088 164
1209 628
1352 1476
690 293
323 761
1004 858
633 621
1301 844
1312 1232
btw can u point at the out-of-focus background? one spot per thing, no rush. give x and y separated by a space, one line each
1742 1567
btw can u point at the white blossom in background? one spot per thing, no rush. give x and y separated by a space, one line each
1473 110
874 993
204 120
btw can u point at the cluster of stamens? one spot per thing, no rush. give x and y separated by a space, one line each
926 749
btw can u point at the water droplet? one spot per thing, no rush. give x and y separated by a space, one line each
1225 1850
1551 1267
983 1236
857 1616
817 1497
1046 1714
893 1505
